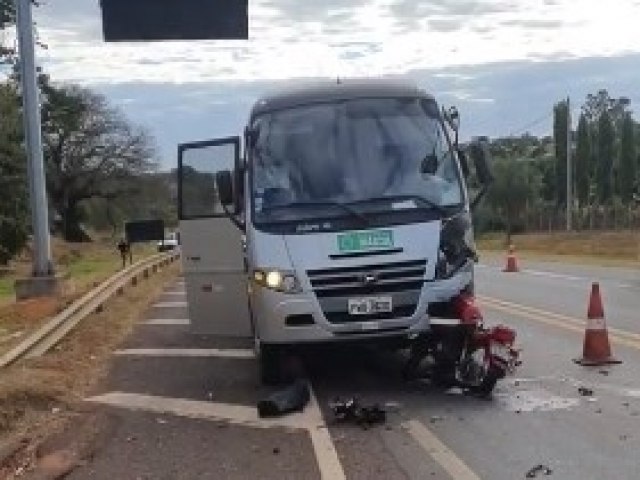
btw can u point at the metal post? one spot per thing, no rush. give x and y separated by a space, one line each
42 264
569 170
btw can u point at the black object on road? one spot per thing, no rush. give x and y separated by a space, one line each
585 392
291 399
539 469
351 411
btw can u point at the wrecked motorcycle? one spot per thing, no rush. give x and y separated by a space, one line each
461 351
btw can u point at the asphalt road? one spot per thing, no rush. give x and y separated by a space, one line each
183 407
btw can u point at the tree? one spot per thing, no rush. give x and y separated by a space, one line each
143 196
516 185
605 152
90 152
600 103
560 125
583 161
13 181
8 19
627 170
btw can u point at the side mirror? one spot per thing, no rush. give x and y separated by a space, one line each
481 158
429 165
479 151
224 183
453 118
464 162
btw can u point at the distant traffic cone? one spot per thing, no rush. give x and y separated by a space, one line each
596 350
512 261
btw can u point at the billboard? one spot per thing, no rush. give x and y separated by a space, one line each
154 20
144 230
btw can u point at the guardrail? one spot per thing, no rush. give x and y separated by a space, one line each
54 330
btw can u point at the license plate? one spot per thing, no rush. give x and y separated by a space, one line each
363 241
370 305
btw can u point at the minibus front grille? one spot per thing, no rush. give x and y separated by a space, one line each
402 281
387 278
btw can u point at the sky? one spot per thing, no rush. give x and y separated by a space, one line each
503 63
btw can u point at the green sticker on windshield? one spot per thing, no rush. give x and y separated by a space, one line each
363 241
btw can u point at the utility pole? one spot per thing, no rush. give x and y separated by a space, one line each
42 282
569 170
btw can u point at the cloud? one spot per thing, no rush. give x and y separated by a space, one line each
503 62
293 38
494 100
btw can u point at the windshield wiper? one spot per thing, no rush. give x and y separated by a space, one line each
346 208
423 202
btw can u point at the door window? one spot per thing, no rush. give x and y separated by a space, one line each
198 165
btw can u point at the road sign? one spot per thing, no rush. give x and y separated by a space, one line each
144 230
152 20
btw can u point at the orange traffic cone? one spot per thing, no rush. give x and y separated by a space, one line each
512 261
596 350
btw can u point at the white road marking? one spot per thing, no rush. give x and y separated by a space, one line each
444 456
168 321
326 454
187 352
561 276
310 419
169 304
236 414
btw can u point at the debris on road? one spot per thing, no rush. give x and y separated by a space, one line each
351 411
290 399
392 407
537 470
435 419
454 391
604 372
585 392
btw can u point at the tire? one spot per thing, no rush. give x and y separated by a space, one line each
485 389
269 364
444 376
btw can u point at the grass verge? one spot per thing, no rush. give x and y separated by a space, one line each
81 264
598 248
39 396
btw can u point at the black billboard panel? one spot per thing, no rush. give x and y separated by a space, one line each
144 231
154 20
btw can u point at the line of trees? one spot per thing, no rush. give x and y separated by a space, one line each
531 172
101 169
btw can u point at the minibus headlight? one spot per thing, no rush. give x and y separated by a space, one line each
279 280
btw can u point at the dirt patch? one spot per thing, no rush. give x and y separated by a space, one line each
39 397
29 312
